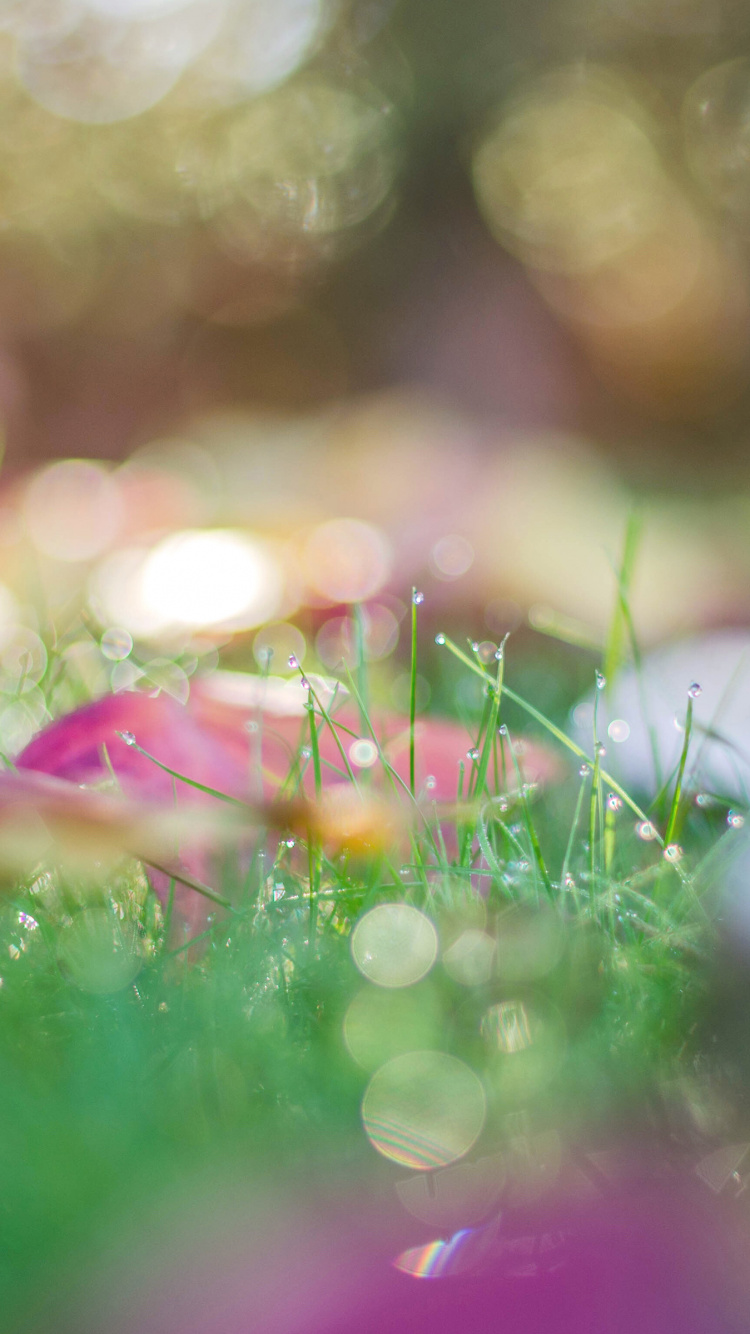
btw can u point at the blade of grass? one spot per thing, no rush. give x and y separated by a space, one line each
554 731
674 814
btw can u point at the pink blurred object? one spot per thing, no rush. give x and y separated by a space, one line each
650 1257
73 748
210 743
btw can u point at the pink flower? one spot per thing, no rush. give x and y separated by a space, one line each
239 736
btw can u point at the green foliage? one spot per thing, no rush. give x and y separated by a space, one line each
126 1058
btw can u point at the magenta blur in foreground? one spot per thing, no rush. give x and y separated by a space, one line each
652 1252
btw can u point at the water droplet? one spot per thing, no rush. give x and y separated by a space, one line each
475 645
673 852
735 819
128 738
292 660
499 654
430 782
646 831
600 750
614 802
440 639
703 799
404 871
569 882
417 598
472 754
251 726
306 753
694 690
503 729
601 680
304 683
584 770
291 842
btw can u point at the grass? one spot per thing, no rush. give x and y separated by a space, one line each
229 1047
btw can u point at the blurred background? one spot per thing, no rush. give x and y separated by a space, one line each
303 302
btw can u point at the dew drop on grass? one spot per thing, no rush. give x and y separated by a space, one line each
304 683
128 738
293 660
703 799
673 852
417 598
584 770
503 729
695 690
472 754
430 782
475 645
735 819
440 639
306 753
645 830
601 680
600 750
614 802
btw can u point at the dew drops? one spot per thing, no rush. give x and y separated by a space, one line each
417 598
645 831
475 645
430 782
673 852
290 842
306 753
600 750
614 802
128 738
601 680
694 690
472 754
293 660
735 819
703 800
499 653
503 729
440 639
304 683
584 770
569 882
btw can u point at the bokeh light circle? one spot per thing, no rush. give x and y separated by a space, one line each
394 945
346 560
210 577
380 1024
424 1109
72 509
275 644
